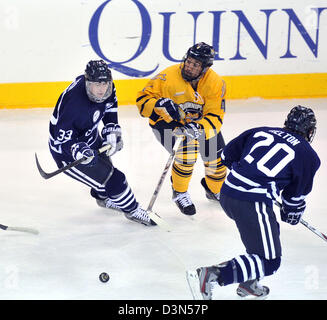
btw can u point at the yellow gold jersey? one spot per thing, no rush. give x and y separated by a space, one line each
205 105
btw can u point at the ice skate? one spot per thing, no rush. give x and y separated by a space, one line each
107 203
184 202
252 289
208 278
103 202
141 216
209 194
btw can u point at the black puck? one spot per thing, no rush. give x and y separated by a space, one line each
104 277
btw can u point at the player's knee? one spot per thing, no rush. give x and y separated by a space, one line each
186 159
271 266
116 184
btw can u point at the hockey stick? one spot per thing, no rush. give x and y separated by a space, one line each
314 230
68 166
160 222
307 225
20 229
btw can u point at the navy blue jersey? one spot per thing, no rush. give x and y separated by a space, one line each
76 119
267 163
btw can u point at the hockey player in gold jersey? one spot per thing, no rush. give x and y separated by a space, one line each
189 99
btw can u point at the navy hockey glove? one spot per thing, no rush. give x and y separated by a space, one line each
291 214
111 134
191 131
167 109
82 149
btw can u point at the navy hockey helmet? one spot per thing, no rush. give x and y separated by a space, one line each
302 121
203 53
98 71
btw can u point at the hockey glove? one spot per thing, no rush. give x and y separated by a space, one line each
191 131
111 134
82 150
292 215
167 109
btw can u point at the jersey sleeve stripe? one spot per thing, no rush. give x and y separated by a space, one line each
211 124
140 98
143 105
217 116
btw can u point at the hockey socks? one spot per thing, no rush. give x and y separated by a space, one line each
246 267
125 200
119 192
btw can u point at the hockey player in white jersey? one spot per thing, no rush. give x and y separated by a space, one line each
266 164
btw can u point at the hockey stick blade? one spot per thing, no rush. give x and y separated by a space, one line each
46 175
161 223
193 283
19 229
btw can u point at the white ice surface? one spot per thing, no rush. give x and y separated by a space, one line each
79 240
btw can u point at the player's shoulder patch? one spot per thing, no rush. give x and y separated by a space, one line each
166 73
160 76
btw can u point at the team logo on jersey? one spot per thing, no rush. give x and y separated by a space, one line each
193 111
96 116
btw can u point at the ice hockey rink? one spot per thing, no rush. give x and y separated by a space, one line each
78 240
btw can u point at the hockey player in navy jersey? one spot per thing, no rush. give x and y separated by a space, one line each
266 165
74 133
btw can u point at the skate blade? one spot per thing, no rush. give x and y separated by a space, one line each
115 210
110 208
252 297
193 283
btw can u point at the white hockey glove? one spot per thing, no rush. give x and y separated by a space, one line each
82 149
111 134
